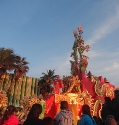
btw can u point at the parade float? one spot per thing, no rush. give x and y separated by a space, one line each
49 90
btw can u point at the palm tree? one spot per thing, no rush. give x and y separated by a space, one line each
12 62
48 76
7 60
20 70
45 82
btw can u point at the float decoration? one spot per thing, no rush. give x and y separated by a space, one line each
80 63
77 89
102 88
71 84
3 99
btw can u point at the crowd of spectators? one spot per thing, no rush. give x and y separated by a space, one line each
109 115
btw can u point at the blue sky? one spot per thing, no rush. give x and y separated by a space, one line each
42 31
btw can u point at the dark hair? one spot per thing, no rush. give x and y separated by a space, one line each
47 121
97 120
35 111
64 105
107 99
9 111
86 109
110 116
116 92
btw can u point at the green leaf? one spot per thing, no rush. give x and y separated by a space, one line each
83 68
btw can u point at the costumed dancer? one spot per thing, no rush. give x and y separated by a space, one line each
60 83
56 86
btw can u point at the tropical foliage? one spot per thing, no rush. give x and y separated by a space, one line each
9 61
45 83
12 62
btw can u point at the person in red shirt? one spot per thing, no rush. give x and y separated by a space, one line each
9 117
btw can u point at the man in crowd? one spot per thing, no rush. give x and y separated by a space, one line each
65 116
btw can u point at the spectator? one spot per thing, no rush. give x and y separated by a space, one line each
106 108
48 121
86 118
115 105
110 120
9 117
97 120
0 113
0 116
64 117
33 116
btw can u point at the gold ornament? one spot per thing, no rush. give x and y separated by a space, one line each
95 107
3 99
